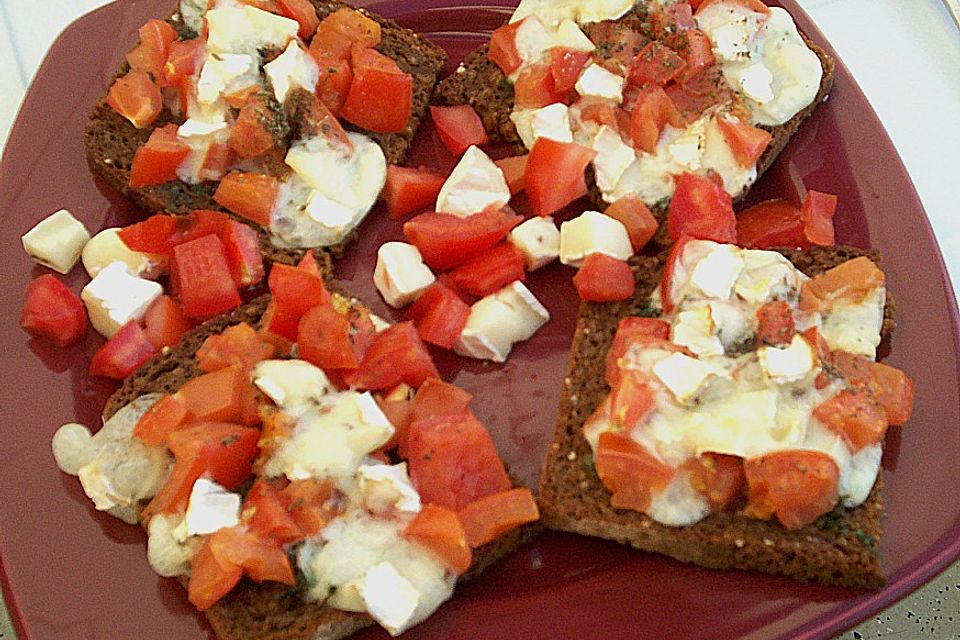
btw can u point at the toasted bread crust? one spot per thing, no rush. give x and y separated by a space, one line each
111 140
839 549
272 611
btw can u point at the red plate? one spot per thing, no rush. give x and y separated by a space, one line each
69 571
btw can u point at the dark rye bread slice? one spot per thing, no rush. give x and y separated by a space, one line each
271 611
111 140
841 548
481 84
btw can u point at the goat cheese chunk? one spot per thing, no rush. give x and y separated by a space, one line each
57 241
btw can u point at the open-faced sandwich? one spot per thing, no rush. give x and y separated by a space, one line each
642 92
302 497
731 413
283 112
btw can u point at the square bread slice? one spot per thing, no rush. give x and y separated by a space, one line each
111 140
271 611
841 548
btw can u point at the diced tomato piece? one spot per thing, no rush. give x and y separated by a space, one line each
605 112
242 244
156 161
184 59
796 486
491 271
631 400
209 579
772 223
697 51
628 331
565 67
453 461
490 517
334 81
296 290
888 385
437 398
408 190
164 322
197 224
162 418
618 43
153 235
123 353
603 279
437 528
851 280
381 95
339 31
514 172
446 240
656 63
857 417
313 118
719 477
753 5
817 212
226 450
535 87
253 133
304 13
672 20
503 47
217 396
250 195
697 93
459 127
310 504
51 310
266 512
629 472
279 326
652 111
554 175
396 355
323 338
700 209
746 141
151 53
137 98
218 157
439 315
238 345
636 217
201 275
775 325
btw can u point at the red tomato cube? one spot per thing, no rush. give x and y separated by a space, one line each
51 310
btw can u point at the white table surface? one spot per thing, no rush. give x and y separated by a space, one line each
905 55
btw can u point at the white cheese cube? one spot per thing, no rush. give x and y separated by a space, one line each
687 149
533 40
716 273
329 213
732 326
290 383
115 297
683 376
790 364
245 29
600 10
756 82
387 487
696 330
593 232
552 122
538 239
56 241
475 184
570 36
500 320
612 159
292 68
390 598
400 275
225 73
195 128
106 247
766 275
211 507
855 327
597 82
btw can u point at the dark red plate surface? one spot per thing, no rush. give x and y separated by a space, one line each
71 572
